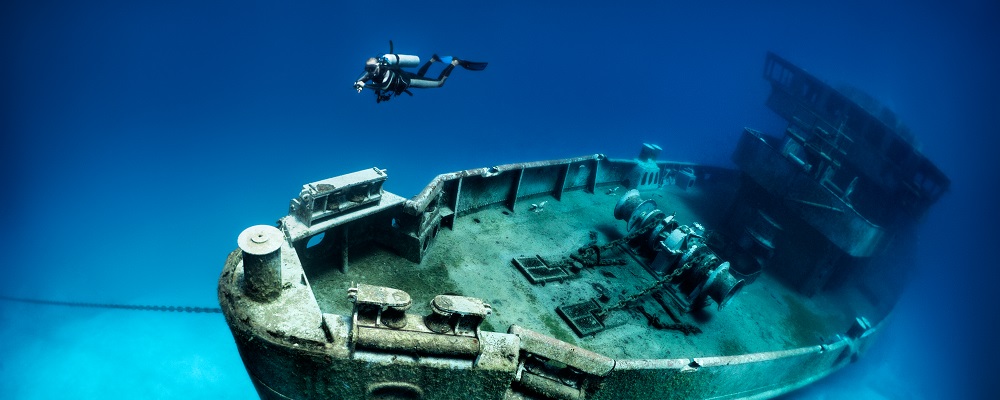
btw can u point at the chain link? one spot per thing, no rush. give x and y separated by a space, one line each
589 255
627 238
593 252
659 283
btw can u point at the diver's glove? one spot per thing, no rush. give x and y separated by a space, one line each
359 85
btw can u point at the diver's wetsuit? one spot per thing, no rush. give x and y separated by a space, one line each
391 80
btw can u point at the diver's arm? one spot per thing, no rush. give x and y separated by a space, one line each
360 84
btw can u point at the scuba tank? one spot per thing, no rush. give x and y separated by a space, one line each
399 60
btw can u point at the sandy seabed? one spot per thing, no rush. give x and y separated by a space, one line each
51 352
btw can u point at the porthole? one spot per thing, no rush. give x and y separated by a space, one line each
315 239
395 391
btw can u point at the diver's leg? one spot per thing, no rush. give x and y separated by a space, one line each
447 71
423 69
416 81
421 82
426 83
469 65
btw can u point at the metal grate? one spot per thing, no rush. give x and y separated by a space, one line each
538 271
580 317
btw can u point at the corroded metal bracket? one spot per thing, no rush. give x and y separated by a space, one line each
557 369
379 322
330 197
376 305
458 315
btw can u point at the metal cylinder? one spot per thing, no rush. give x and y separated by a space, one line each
549 388
722 285
401 60
261 246
410 342
627 205
637 212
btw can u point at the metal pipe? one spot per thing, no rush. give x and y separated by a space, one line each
409 342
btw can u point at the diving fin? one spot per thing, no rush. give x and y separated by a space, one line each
472 65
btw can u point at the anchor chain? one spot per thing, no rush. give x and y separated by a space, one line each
113 306
632 298
590 254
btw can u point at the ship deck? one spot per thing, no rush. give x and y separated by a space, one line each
474 258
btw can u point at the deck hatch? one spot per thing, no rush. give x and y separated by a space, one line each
538 271
580 317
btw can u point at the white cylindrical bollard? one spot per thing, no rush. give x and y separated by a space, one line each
261 245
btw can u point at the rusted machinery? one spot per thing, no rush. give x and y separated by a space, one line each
691 273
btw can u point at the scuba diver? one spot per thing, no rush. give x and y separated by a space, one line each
385 74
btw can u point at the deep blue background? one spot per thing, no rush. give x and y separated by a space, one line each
139 139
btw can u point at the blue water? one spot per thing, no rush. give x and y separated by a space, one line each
138 140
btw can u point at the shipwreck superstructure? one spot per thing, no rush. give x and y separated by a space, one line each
592 277
835 190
